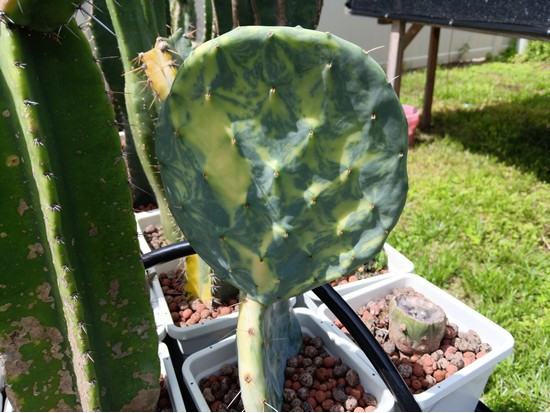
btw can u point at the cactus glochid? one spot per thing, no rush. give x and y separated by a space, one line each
283 155
73 330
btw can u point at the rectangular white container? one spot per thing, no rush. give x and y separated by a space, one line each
208 361
397 263
461 391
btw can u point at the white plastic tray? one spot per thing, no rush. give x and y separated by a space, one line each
461 391
209 361
397 263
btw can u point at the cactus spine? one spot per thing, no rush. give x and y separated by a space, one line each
73 333
284 161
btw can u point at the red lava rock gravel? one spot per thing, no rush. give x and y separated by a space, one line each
314 381
420 372
154 235
187 311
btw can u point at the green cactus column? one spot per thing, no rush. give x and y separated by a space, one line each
283 154
76 329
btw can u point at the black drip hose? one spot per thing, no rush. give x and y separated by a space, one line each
360 333
168 253
368 344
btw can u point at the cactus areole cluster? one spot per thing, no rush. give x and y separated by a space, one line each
283 152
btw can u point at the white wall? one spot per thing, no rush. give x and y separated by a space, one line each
367 33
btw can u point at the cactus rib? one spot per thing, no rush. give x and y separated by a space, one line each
74 237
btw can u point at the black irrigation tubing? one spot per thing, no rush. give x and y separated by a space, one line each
360 333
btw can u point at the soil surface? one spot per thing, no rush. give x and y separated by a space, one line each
420 372
186 311
314 381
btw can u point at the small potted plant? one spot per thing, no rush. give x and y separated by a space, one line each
466 346
283 155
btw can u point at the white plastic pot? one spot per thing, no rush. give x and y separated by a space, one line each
170 381
461 391
397 263
209 361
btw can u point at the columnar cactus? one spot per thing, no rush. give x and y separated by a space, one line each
75 327
107 53
230 14
137 24
416 325
283 154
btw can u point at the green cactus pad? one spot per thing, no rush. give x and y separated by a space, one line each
283 153
41 15
76 328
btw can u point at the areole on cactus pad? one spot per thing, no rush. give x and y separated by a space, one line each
283 154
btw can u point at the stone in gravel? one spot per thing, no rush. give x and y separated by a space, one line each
369 400
442 363
339 395
480 354
227 370
389 347
306 362
307 407
405 370
322 374
457 361
311 352
296 403
350 403
303 393
439 375
289 395
327 405
340 371
224 310
316 342
318 361
208 396
292 362
337 408
205 314
451 331
306 379
329 362
352 378
418 370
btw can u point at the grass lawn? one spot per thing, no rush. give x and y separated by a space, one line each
477 219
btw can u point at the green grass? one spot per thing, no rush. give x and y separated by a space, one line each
477 219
